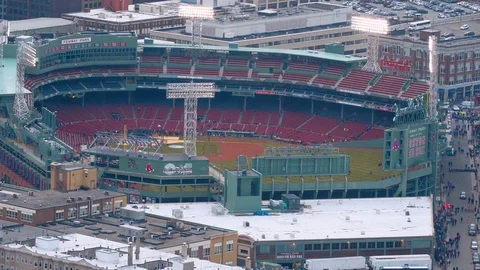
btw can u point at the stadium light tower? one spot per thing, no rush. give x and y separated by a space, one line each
196 14
26 57
433 68
190 92
374 27
4 33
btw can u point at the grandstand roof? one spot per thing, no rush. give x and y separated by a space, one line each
8 76
307 53
321 219
37 23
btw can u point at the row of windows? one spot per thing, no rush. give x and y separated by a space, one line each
345 246
353 245
83 210
88 55
423 54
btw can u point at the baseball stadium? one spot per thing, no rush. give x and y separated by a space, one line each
308 123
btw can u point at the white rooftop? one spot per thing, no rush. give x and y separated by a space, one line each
165 9
37 23
320 219
80 242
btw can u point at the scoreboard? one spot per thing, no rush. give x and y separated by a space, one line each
416 144
406 146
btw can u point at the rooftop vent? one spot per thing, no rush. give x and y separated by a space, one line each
69 201
377 212
80 198
362 233
89 198
15 195
246 224
72 199
30 193
347 218
106 193
275 236
407 213
263 236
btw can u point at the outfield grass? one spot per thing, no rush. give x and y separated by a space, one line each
364 162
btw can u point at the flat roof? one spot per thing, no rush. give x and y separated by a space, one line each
38 23
154 225
321 219
79 242
98 150
19 233
51 198
8 76
305 53
268 14
169 9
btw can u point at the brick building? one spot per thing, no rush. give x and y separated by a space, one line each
41 207
21 9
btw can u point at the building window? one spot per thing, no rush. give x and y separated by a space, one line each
353 245
118 205
27 217
389 244
335 246
380 244
59 215
1 211
72 213
362 245
194 253
206 252
308 247
107 207
83 211
371 245
344 245
12 214
325 246
95 209
218 249
229 246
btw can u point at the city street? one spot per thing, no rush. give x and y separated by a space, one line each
463 182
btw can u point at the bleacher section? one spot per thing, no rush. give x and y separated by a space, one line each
389 85
357 80
79 124
414 90
232 67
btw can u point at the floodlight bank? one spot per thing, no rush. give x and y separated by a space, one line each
370 25
195 12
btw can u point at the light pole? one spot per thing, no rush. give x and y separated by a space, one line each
26 57
196 14
190 92
374 27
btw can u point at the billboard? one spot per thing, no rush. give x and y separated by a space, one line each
167 168
406 146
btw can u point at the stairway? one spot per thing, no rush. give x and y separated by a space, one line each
222 68
250 73
165 68
312 79
192 70
308 120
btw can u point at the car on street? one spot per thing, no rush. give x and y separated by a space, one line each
464 27
475 257
472 230
474 245
469 34
463 195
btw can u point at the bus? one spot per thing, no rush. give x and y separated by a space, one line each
415 26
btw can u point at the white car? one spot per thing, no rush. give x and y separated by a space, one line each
463 195
474 245
464 27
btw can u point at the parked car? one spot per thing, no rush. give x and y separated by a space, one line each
464 27
469 34
463 195
474 245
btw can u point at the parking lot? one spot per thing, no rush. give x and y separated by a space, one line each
436 11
